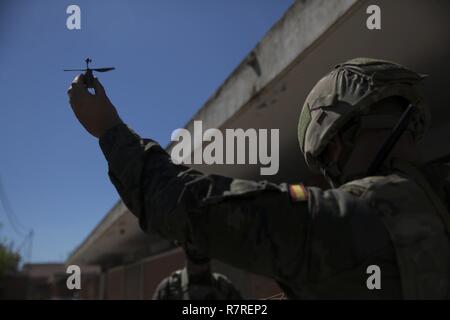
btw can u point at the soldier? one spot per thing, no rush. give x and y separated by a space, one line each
315 243
196 281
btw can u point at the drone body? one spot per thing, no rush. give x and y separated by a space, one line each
89 77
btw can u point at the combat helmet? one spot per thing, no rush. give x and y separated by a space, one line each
180 286
348 92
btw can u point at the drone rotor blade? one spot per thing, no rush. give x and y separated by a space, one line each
103 69
74 70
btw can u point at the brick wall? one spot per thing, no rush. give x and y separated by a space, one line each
140 280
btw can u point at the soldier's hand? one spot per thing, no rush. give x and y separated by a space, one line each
94 111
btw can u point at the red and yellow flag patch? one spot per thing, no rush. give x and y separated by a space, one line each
298 192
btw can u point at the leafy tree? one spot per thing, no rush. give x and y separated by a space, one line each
9 259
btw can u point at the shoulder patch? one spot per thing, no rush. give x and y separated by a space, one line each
355 190
298 192
359 187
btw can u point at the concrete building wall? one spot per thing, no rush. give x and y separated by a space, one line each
139 280
114 286
90 287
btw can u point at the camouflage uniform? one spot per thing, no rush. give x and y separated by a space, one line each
315 243
179 286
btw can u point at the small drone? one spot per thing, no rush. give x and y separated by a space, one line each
89 78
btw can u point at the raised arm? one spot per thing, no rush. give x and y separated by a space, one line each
251 225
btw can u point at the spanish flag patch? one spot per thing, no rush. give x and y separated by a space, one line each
298 192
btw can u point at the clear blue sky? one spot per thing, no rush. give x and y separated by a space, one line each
170 57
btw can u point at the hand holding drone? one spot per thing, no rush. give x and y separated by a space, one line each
94 110
88 76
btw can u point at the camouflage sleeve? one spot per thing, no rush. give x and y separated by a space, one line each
251 225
